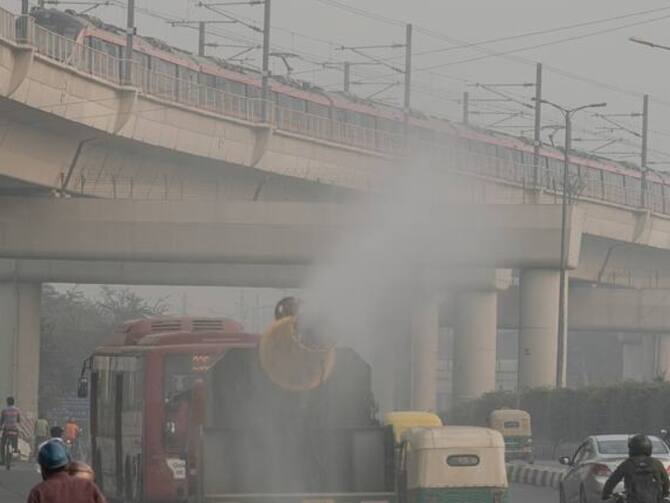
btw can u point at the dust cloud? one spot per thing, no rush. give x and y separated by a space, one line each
401 255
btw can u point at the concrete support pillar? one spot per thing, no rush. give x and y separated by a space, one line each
425 330
663 357
538 327
632 355
475 330
20 343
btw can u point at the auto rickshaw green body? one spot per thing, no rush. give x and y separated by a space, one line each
454 464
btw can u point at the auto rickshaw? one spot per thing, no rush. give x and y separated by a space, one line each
452 464
514 425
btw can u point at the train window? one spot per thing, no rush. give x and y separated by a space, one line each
390 126
188 84
654 196
237 88
633 190
104 46
141 59
187 74
163 67
290 102
318 109
424 135
592 181
555 171
253 92
614 187
339 115
359 119
101 65
221 83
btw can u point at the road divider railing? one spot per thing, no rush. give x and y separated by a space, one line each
534 475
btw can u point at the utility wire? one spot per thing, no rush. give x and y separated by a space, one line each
546 44
536 33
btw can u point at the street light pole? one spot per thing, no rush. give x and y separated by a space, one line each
562 332
347 76
201 38
265 82
537 138
130 33
643 157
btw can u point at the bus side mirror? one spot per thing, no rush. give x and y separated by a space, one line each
82 387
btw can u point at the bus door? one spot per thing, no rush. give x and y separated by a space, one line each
117 437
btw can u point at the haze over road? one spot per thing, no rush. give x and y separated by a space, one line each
15 485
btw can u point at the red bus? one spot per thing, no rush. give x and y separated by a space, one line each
147 402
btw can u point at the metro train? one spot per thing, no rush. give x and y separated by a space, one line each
184 72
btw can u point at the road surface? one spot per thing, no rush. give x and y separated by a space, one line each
522 494
15 485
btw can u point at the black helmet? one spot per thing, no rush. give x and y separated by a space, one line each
639 445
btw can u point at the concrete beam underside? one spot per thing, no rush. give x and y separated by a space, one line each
274 233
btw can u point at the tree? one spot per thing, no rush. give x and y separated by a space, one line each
73 325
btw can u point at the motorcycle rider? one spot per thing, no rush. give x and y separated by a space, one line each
10 417
58 485
645 478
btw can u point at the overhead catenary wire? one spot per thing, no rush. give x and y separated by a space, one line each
511 57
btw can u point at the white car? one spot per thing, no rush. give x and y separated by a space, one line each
594 461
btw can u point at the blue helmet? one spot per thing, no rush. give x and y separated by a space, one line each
53 455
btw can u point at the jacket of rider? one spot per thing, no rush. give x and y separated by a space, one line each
627 470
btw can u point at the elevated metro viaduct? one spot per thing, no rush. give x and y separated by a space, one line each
66 131
180 242
282 244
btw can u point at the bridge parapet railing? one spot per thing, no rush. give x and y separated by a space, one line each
69 52
7 25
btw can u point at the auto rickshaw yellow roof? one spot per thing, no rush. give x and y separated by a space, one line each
401 420
510 413
453 436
